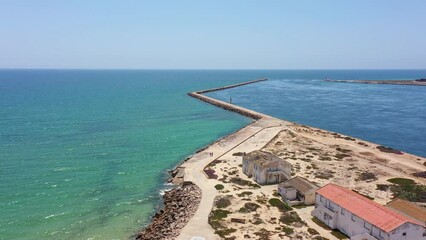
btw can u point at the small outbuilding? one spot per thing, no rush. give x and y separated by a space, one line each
408 209
266 168
298 190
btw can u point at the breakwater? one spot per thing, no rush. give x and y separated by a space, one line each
181 202
180 205
231 86
418 82
229 106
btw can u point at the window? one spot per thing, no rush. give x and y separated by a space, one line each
404 234
342 211
321 199
367 225
353 217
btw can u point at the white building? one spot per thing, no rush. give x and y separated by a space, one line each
266 168
297 191
360 218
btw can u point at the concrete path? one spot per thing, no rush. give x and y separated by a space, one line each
250 138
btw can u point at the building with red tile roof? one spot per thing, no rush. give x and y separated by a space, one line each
356 215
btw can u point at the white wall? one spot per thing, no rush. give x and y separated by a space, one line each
412 232
352 225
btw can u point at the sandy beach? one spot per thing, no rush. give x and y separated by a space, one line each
317 155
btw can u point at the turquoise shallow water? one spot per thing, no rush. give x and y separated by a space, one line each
83 154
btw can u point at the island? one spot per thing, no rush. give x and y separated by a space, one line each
276 179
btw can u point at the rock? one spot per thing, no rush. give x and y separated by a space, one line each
180 205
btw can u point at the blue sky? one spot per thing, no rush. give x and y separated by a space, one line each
231 34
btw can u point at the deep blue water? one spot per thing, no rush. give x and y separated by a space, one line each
392 115
83 153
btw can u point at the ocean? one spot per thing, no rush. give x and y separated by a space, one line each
84 153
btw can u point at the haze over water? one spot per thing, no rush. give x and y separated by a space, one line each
83 154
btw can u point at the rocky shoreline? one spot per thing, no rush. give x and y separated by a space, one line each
180 205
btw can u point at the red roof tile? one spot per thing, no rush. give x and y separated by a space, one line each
370 211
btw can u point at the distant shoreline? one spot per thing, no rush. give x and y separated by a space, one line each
391 82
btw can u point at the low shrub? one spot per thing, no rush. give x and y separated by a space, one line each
389 150
289 218
245 193
211 174
275 202
218 214
338 234
410 192
223 202
401 181
225 232
239 154
263 234
219 186
313 231
243 182
287 230
382 187
320 223
364 176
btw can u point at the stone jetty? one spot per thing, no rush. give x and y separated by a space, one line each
229 106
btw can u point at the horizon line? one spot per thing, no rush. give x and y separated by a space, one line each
212 69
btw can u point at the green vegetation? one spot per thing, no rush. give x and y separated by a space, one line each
276 194
287 230
225 232
263 234
275 202
321 224
261 200
219 214
364 176
239 154
410 192
401 181
223 202
335 233
324 158
340 156
219 187
289 218
338 234
243 182
408 189
382 187
313 231
300 206
389 150
215 219
320 238
249 207
244 194
343 150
